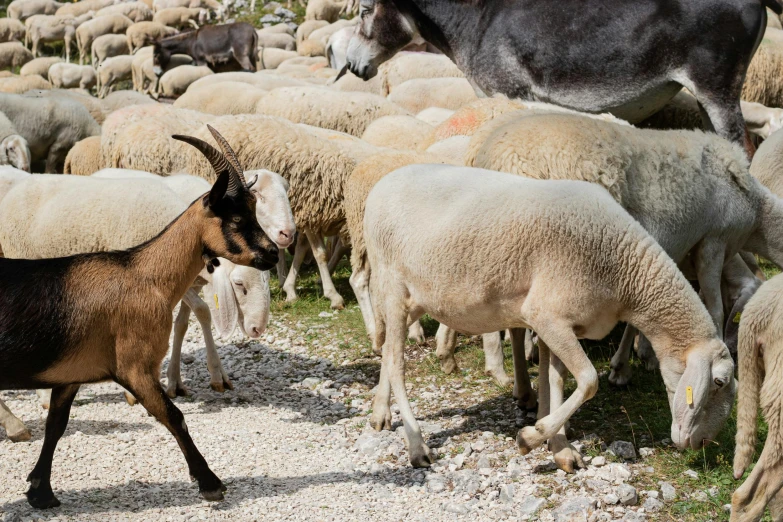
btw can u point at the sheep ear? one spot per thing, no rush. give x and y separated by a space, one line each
219 294
692 393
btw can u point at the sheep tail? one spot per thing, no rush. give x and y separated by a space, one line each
750 372
774 5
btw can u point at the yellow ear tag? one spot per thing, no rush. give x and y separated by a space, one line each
217 305
737 317
689 395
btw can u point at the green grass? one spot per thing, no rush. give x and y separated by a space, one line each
252 17
638 413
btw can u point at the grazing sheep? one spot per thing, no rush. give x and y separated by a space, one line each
48 29
181 17
84 158
177 80
266 81
108 45
22 84
409 66
436 115
326 108
322 34
466 120
279 28
145 33
119 99
23 9
587 265
763 82
111 71
311 48
69 75
453 148
352 83
282 41
399 132
148 71
83 6
136 11
14 150
39 66
212 5
328 10
51 126
419 94
114 335
92 29
272 58
139 57
221 98
93 105
760 337
306 28
11 30
13 55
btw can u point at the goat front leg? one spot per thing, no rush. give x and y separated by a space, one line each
289 287
40 494
566 456
14 428
319 253
145 386
493 358
218 378
620 373
175 387
523 390
562 343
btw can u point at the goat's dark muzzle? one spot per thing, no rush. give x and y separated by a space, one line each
266 258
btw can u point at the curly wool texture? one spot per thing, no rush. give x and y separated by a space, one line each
358 187
767 165
261 80
350 113
221 98
408 66
399 132
419 94
22 84
84 158
469 118
352 83
316 163
764 79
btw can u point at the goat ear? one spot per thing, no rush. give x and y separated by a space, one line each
218 191
219 294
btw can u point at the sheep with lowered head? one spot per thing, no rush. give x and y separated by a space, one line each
22 84
111 71
136 11
84 158
176 81
181 17
87 32
145 33
419 94
147 71
11 30
345 112
69 76
23 9
221 98
108 45
13 55
39 66
83 6
14 150
399 132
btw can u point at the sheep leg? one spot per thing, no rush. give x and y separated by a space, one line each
40 494
14 428
54 158
776 507
218 378
566 457
646 354
544 402
289 287
531 351
620 366
148 390
762 485
753 265
340 251
360 282
381 413
416 332
282 269
493 358
563 344
175 386
445 346
319 253
709 267
523 390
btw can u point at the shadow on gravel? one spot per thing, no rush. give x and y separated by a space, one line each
138 497
87 427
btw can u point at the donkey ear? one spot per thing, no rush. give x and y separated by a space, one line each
219 294
218 191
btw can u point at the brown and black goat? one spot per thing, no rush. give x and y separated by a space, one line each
74 320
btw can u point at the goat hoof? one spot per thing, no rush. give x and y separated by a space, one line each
422 457
338 304
381 421
566 456
290 297
42 498
528 439
448 364
500 377
20 436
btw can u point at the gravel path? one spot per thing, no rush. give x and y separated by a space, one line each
291 442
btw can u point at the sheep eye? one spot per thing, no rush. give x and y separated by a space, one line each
719 382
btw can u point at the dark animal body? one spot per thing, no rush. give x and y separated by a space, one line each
108 316
625 57
222 48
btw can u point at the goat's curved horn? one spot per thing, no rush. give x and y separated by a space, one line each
215 158
229 153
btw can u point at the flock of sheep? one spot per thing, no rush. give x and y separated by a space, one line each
427 188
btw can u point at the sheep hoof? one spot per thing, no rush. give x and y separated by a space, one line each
20 436
177 390
338 304
448 364
651 364
620 375
42 497
421 457
500 376
290 297
566 457
528 439
381 420
528 401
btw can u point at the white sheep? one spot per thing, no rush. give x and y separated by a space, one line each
92 29
399 132
221 98
69 75
453 148
13 55
139 57
763 82
84 158
306 28
23 9
136 11
269 58
212 5
14 150
435 115
759 357
559 257
418 94
11 29
181 17
111 71
93 105
83 6
147 71
266 81
351 83
22 84
176 81
39 66
51 125
108 45
145 33
345 112
328 10
276 41
119 99
408 66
